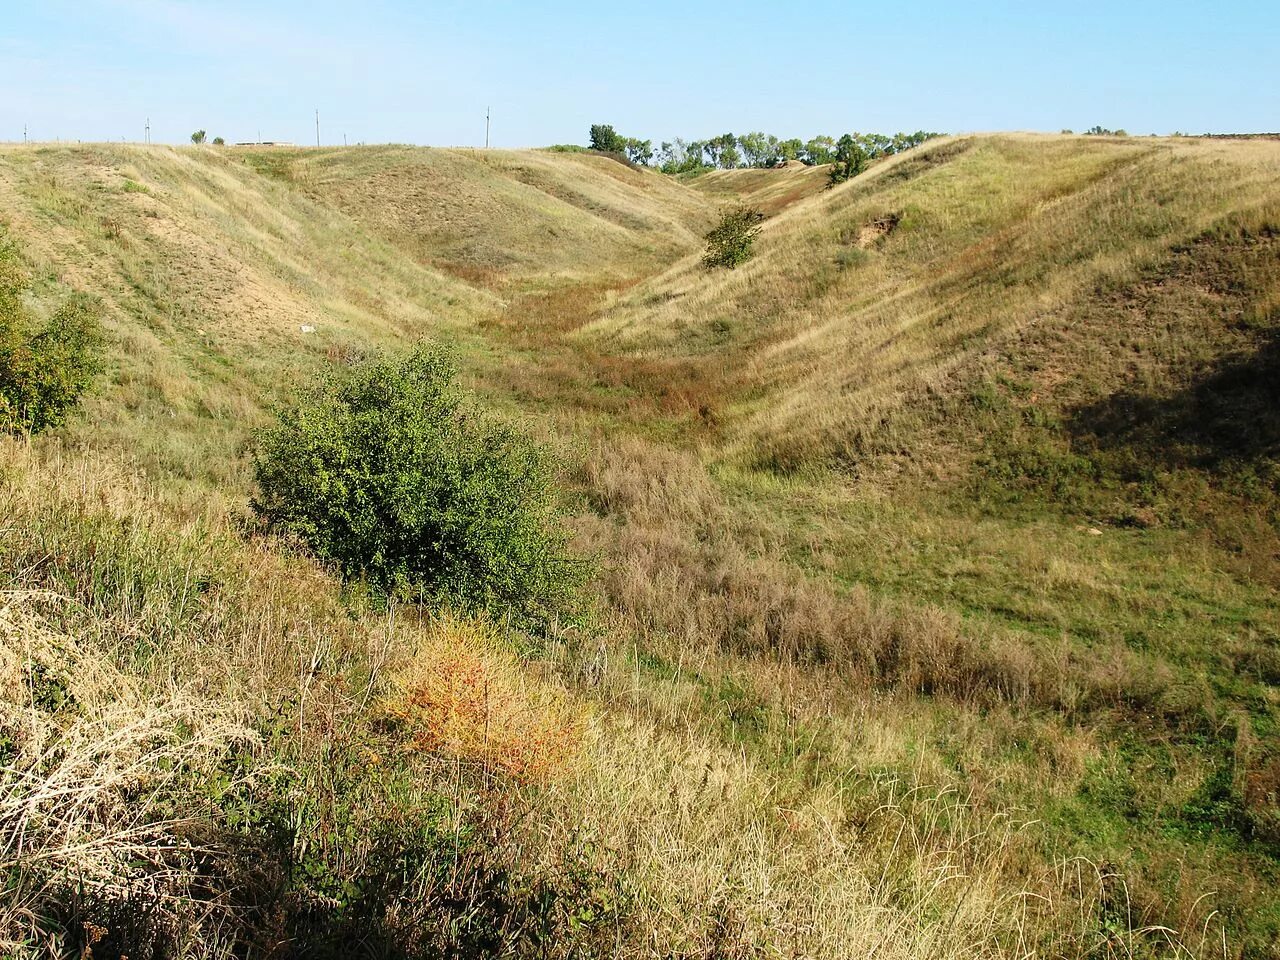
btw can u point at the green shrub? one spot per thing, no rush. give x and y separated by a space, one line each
43 371
729 243
851 257
389 471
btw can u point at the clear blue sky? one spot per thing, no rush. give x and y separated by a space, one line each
423 72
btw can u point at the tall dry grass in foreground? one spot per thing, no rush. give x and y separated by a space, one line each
644 834
95 764
827 688
747 866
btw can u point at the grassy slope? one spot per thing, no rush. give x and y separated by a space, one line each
835 324
1048 392
770 190
208 272
847 495
501 217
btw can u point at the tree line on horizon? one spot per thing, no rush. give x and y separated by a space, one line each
761 150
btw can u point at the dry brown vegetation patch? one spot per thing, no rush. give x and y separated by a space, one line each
684 579
463 696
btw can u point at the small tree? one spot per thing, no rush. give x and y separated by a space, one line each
43 372
639 151
790 149
607 140
851 160
391 473
219 142
198 137
729 243
819 150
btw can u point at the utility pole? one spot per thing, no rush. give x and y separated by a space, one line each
147 138
486 128
317 127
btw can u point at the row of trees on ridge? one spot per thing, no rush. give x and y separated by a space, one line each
729 151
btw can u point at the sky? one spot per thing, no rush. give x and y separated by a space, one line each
415 71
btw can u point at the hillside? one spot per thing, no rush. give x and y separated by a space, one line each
210 263
770 190
892 285
938 545
501 217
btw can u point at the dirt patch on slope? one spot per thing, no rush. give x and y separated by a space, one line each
875 231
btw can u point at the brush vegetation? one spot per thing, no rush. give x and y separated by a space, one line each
45 369
729 242
388 472
935 606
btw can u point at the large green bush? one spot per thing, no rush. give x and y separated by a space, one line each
389 471
43 369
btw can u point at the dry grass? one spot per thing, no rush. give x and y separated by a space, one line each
771 191
833 352
747 860
803 668
687 583
825 714
504 217
720 852
207 281
746 864
93 762
463 696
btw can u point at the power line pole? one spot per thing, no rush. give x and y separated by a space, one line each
317 127
486 128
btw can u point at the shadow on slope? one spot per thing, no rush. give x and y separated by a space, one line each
1229 417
